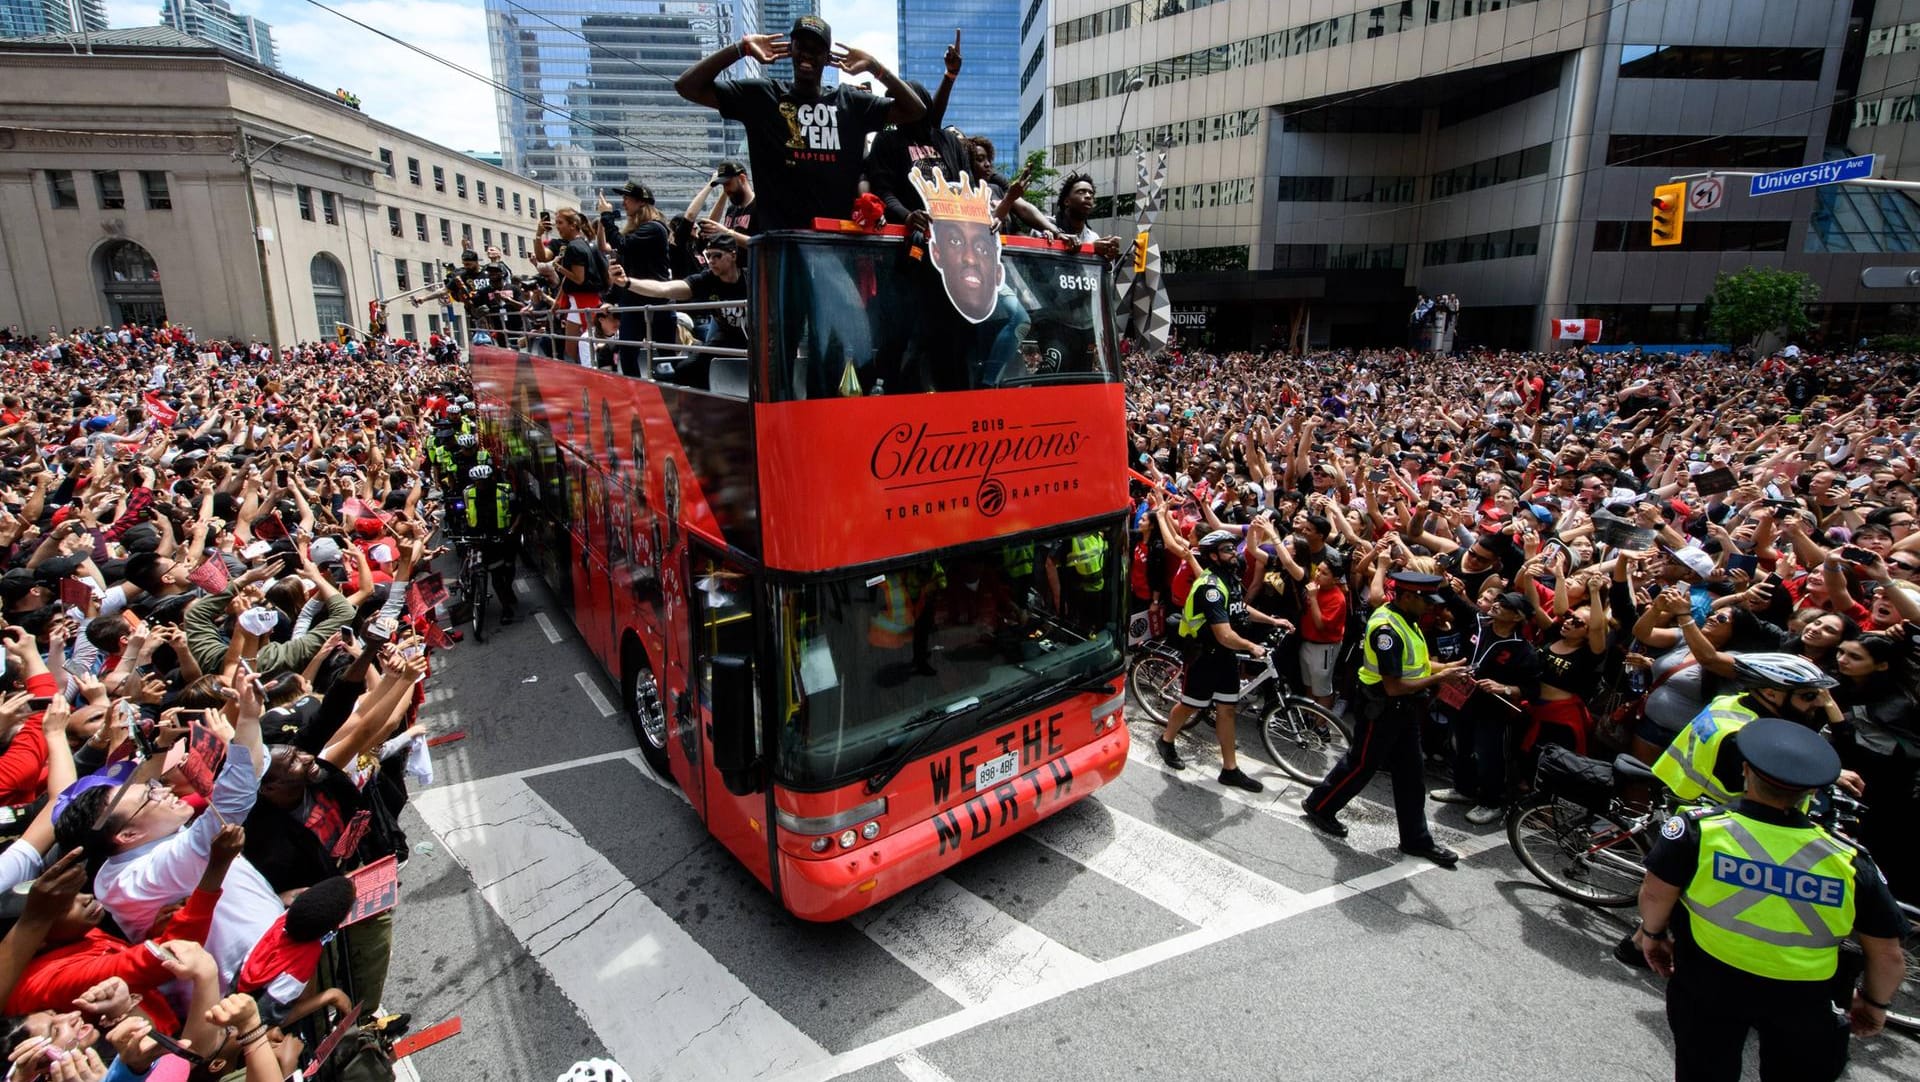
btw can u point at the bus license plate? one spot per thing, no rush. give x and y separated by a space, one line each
994 771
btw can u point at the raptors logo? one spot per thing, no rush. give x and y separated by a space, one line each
992 497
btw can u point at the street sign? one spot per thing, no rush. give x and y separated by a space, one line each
1812 176
1890 277
1706 194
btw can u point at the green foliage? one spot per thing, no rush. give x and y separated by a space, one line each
1897 343
1039 178
1757 301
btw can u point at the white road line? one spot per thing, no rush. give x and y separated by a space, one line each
592 689
522 587
917 1069
633 973
546 625
403 1070
1168 870
436 696
966 946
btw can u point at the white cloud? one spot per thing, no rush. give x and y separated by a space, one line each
867 25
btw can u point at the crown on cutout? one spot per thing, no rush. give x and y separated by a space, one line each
969 202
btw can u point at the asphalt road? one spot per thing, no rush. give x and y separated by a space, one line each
565 904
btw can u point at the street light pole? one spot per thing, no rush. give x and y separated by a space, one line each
1113 193
253 216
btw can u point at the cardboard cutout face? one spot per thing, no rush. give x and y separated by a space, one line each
966 252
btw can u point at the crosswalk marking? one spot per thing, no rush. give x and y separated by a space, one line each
1168 870
634 974
546 626
966 946
917 1069
594 694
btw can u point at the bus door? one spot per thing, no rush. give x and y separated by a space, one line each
722 597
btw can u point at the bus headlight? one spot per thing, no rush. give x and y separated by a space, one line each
870 831
847 838
820 844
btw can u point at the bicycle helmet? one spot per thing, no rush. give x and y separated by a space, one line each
463 400
1788 672
466 439
595 1070
481 472
1216 539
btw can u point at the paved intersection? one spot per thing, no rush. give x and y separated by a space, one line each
567 904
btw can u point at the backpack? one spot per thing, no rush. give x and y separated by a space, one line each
597 279
363 1055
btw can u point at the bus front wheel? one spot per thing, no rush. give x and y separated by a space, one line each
647 710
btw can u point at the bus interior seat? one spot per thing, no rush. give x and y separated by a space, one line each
728 376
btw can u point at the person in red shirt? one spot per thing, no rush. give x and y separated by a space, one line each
23 765
1323 627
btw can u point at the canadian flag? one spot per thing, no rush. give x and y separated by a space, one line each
1581 330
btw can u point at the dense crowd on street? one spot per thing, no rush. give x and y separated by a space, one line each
215 650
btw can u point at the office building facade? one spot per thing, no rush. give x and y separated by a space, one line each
216 22
124 200
20 18
1327 163
990 47
589 101
1036 104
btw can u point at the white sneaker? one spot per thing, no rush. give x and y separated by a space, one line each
1483 814
1451 796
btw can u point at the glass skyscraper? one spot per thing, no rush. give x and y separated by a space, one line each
592 104
20 18
986 100
216 22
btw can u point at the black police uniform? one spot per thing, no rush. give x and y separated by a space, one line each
1386 733
1213 676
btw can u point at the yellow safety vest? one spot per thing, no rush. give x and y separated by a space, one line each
1086 558
1687 765
502 512
1771 900
1018 560
1413 646
1190 621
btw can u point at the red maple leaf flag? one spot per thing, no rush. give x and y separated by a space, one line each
1578 330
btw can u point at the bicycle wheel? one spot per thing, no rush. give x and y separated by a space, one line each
1304 738
1592 857
1155 684
479 604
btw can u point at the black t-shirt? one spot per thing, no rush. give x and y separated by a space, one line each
806 153
729 323
1675 859
578 252
643 253
741 219
899 152
1216 601
336 829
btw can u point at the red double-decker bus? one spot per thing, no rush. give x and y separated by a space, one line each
864 587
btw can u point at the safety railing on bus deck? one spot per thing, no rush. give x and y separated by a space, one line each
722 378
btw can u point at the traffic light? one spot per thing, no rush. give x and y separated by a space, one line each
1669 213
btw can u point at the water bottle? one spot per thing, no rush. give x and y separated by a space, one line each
879 388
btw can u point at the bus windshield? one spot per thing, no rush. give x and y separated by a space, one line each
873 660
859 317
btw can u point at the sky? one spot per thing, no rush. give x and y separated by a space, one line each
418 95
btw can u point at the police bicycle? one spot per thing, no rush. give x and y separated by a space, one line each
1302 737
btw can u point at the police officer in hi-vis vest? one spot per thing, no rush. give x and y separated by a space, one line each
1392 702
486 517
1745 908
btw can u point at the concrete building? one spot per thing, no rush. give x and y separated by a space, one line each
23 18
1036 103
125 178
590 103
990 48
1329 159
216 22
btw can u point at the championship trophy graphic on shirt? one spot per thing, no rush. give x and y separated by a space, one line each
965 250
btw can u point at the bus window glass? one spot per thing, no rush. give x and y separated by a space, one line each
852 319
866 665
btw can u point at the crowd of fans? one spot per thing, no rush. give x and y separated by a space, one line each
215 630
1615 531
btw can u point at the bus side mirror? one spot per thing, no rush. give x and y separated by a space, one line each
735 754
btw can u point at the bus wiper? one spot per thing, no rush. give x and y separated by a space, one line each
954 709
1052 377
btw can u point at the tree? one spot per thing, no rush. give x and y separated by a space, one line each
1758 301
1039 178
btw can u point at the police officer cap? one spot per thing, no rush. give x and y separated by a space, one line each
1790 755
1417 582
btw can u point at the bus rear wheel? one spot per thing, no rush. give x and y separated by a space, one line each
647 711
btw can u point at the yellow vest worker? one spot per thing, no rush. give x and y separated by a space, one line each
1395 675
1687 766
1745 907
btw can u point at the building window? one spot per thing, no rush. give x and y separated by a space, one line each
329 293
486 238
393 222
426 272
446 232
439 179
499 197
1721 151
460 185
420 226
523 245
400 276
305 195
60 189
1702 235
516 202
155 183
433 324
480 190
106 185
386 161
408 328
1888 40
1480 247
131 282
413 171
328 209
1719 62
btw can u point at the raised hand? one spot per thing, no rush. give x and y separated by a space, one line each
953 55
766 48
